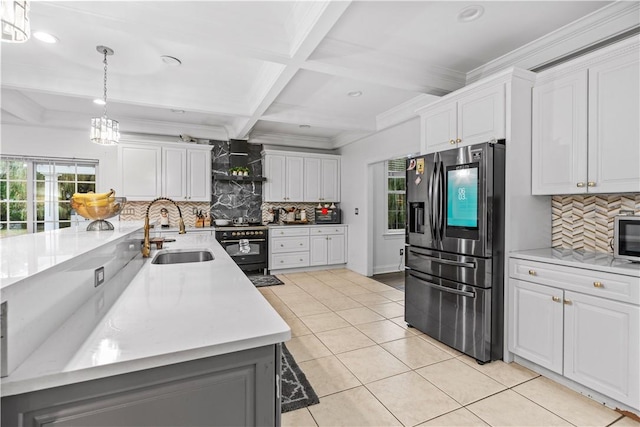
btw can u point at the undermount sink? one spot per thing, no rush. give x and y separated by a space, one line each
179 256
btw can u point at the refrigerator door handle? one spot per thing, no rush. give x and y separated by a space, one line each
444 288
446 261
441 200
431 204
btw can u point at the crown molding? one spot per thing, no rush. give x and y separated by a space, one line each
291 140
607 22
404 111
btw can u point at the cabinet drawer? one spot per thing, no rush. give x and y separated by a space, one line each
290 260
328 229
607 285
289 231
289 244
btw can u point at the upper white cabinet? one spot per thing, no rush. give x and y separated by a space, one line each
284 178
163 169
301 177
139 168
585 130
321 177
472 116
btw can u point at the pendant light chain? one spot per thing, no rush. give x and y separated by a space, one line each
105 82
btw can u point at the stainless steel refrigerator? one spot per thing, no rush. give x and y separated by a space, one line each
455 248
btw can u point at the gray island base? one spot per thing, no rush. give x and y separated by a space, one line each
234 389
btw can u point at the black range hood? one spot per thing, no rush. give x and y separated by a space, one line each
238 153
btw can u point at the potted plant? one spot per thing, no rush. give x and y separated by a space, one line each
239 171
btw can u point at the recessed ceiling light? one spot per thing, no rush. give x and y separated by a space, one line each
45 37
99 101
171 60
305 126
354 93
177 111
470 13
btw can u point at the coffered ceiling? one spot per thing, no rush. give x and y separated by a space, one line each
280 72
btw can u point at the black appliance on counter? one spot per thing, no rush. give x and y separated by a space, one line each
454 279
246 245
328 216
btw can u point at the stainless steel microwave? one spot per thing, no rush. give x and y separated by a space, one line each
626 237
328 216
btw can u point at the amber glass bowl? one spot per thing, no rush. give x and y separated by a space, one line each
98 210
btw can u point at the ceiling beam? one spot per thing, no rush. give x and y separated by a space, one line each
22 107
321 18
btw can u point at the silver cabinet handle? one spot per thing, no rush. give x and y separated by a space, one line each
591 184
580 184
452 141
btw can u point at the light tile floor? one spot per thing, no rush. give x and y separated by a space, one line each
369 369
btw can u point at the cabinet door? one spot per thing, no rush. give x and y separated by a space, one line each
438 128
536 320
199 175
614 134
274 186
294 179
602 346
336 253
481 116
559 132
312 179
174 173
140 171
330 180
318 250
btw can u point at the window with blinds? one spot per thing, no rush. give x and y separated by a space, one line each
396 190
35 193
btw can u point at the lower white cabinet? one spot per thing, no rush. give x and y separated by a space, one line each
306 246
585 327
327 245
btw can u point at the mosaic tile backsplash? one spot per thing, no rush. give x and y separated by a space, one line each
585 222
188 209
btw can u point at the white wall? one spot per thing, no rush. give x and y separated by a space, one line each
67 143
386 247
357 191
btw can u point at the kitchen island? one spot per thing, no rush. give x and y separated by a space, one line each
174 344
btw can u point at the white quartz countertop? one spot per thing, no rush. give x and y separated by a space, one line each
30 254
586 260
167 314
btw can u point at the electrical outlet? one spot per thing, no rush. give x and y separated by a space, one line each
401 251
98 277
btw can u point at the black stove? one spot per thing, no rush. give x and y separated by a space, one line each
246 245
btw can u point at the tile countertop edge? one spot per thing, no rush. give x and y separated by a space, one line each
598 261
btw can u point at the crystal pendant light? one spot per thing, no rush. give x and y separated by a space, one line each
15 21
105 131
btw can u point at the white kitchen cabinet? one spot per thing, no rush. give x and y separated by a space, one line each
582 324
168 170
585 130
473 116
301 177
321 177
139 169
602 344
327 245
536 324
285 175
559 132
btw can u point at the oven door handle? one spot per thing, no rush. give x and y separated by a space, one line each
446 261
443 288
238 240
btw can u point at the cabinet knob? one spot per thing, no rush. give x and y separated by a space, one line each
556 299
300 259
591 184
281 245
281 261
532 272
598 285
568 302
300 244
452 141
580 184
458 140
282 232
